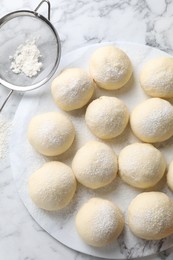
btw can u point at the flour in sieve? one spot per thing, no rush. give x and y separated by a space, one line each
26 59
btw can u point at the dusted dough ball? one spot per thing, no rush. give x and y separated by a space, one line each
150 215
141 165
107 117
72 89
156 77
95 165
110 67
51 133
52 186
152 120
170 176
99 221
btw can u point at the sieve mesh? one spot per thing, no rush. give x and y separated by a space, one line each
17 28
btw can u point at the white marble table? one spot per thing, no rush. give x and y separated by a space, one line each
79 23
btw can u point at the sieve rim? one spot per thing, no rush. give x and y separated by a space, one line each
36 15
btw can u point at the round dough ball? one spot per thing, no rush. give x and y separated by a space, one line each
150 215
170 176
51 133
99 221
72 89
107 117
110 67
95 165
141 165
156 77
52 186
152 120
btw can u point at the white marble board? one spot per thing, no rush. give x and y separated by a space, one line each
24 160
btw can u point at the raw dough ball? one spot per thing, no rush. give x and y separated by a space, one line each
52 186
150 215
95 165
170 176
141 165
152 120
107 117
156 77
51 133
110 67
72 89
99 221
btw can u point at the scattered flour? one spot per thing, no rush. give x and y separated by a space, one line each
5 127
26 59
104 222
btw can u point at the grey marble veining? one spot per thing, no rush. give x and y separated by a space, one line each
79 23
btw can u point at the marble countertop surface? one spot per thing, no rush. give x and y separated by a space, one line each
79 23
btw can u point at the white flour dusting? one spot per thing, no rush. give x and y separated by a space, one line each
104 222
26 59
5 127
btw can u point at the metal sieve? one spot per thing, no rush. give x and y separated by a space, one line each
15 29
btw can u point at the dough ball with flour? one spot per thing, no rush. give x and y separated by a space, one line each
110 67
156 77
95 165
72 89
51 133
107 117
170 176
99 221
150 215
152 120
52 186
141 165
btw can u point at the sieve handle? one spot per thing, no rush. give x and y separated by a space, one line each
48 6
5 101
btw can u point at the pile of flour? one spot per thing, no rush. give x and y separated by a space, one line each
26 59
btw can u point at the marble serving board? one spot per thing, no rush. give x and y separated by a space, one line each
24 160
